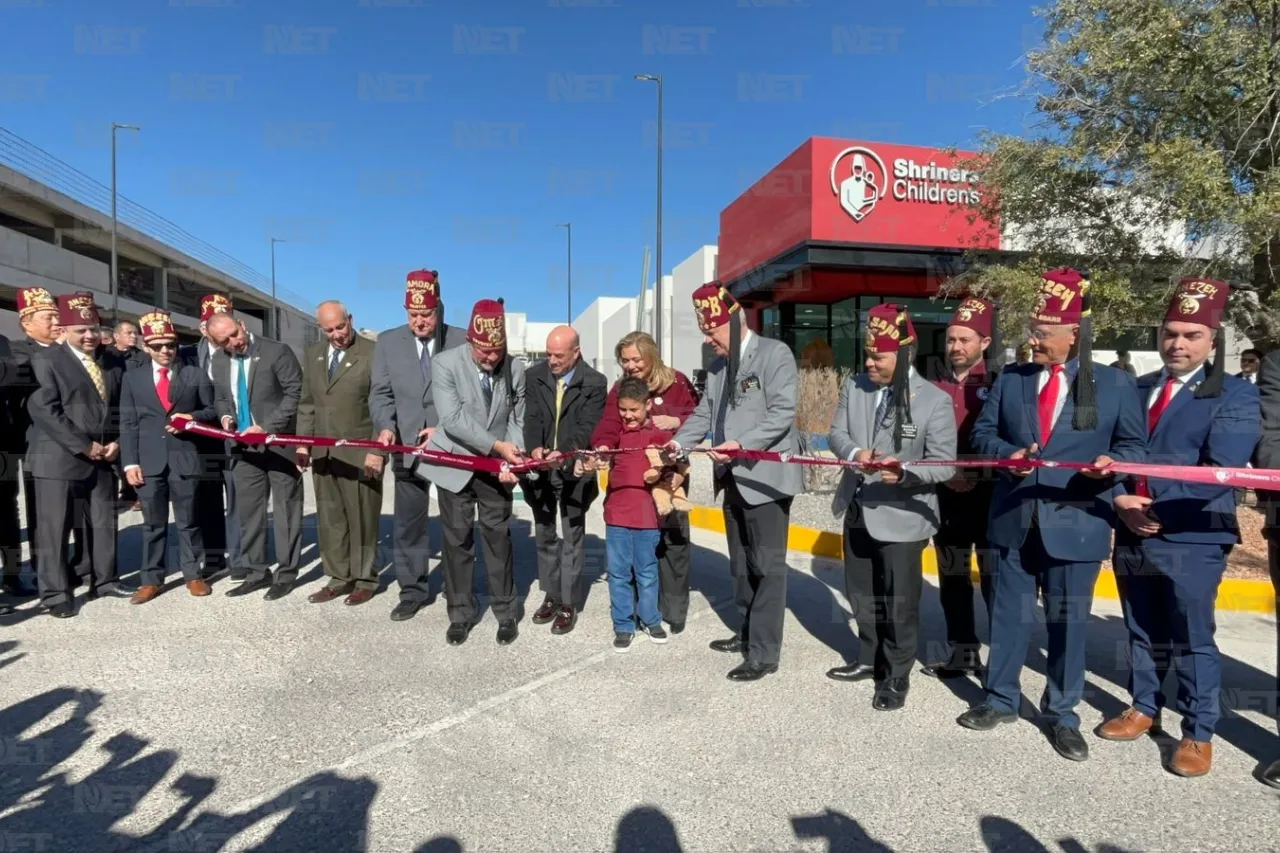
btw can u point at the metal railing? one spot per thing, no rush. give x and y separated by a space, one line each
38 164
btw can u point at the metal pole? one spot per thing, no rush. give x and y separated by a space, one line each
115 271
568 229
274 316
657 289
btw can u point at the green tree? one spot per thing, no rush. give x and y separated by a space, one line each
1155 153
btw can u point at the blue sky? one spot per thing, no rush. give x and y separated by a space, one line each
379 136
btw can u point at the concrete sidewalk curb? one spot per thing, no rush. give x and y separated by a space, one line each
1252 596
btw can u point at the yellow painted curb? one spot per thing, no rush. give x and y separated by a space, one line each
1233 594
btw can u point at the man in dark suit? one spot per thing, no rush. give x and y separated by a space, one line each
347 481
160 462
564 402
1250 362
257 384
72 452
38 314
216 492
479 393
1174 537
1268 456
1052 526
404 412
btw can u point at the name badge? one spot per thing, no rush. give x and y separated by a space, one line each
910 430
750 382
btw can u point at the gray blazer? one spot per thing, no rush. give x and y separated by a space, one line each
466 425
762 417
275 386
908 510
399 395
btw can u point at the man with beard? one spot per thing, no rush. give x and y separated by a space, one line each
403 410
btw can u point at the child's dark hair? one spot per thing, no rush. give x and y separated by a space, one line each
633 388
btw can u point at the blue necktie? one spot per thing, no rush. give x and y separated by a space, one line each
486 384
882 410
333 363
244 419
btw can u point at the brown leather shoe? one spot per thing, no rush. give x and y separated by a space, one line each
1130 725
145 594
199 588
1191 758
328 593
566 618
546 612
360 596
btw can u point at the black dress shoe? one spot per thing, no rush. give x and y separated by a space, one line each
249 587
457 633
676 627
1271 776
1069 743
238 577
405 610
278 591
64 610
507 632
852 672
891 695
18 590
112 590
984 718
957 667
733 645
751 671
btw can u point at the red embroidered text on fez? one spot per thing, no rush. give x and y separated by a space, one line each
974 313
889 328
488 327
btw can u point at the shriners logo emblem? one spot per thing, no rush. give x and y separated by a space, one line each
1189 303
864 184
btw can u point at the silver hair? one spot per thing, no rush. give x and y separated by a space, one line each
341 307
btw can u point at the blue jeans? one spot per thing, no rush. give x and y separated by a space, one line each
630 549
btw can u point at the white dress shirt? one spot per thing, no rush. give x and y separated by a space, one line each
342 356
429 343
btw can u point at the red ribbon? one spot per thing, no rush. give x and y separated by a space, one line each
1261 479
483 464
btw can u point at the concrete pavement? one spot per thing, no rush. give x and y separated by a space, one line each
222 724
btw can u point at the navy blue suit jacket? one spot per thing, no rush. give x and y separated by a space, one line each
143 438
1074 512
1218 431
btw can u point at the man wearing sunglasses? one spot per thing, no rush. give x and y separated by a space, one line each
161 462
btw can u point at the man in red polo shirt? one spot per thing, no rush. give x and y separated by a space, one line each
963 501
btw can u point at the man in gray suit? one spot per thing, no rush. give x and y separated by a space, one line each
750 403
257 384
889 414
403 412
479 394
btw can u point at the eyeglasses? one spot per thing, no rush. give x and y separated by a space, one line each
159 347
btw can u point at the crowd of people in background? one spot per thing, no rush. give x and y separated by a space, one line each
87 415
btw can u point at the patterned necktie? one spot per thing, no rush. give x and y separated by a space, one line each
882 411
244 416
333 363
486 385
1153 418
162 388
555 435
95 373
424 358
1048 403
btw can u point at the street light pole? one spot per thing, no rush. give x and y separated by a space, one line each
275 311
660 304
568 226
115 272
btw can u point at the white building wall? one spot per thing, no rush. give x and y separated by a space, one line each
597 347
614 328
684 344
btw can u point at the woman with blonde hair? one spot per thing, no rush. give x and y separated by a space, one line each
673 399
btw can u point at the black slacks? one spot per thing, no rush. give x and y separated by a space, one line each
1273 563
673 568
220 518
10 520
489 501
89 506
884 581
411 536
963 531
757 538
261 474
155 495
561 558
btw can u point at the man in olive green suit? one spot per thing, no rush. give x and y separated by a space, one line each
347 481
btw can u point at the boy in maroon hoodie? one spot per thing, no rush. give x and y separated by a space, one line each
631 521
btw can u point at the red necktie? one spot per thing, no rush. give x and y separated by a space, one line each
162 388
1153 418
1049 402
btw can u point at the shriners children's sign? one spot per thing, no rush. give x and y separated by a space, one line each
860 180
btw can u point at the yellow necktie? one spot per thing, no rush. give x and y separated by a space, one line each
555 437
95 373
